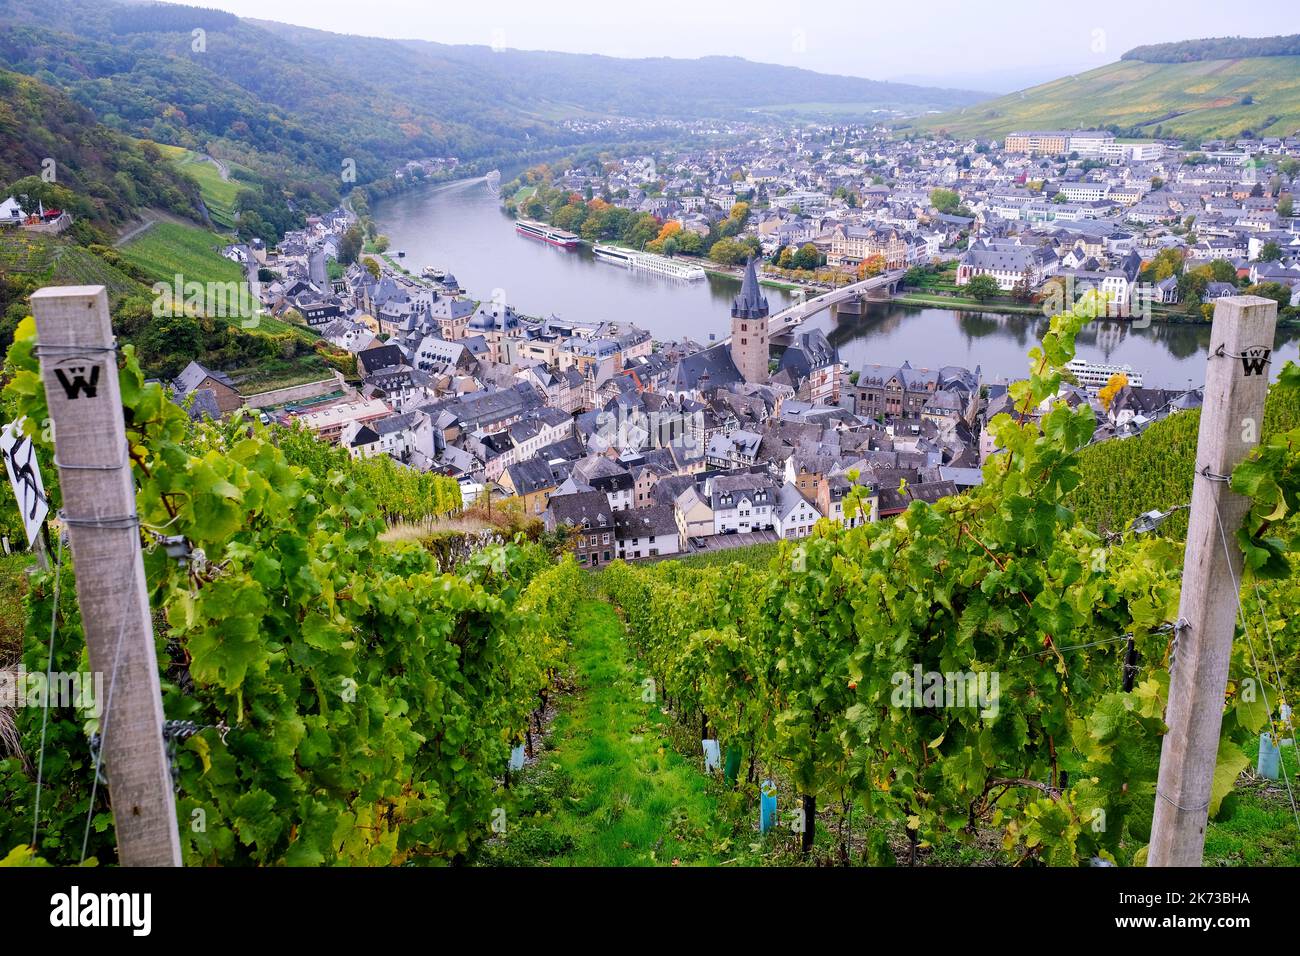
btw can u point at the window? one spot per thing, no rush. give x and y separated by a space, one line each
593 541
607 556
652 539
604 538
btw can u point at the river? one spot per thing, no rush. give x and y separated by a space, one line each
460 227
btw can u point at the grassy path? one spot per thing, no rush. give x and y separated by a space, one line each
609 790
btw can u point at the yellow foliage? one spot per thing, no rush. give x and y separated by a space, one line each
1113 385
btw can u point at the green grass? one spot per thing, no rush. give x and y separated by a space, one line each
13 586
619 782
218 194
1200 99
169 249
1255 826
969 305
610 789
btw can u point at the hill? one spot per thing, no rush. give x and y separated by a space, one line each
679 88
286 101
64 157
1189 100
1215 48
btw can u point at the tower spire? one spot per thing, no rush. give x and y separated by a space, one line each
751 303
749 333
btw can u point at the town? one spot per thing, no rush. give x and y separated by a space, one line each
653 448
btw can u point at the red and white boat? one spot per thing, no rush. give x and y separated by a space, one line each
540 230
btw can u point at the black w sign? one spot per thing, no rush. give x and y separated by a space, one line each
1255 359
78 377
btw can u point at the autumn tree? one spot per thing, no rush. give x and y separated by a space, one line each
871 266
1112 387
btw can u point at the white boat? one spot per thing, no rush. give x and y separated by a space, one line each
648 261
548 234
1096 375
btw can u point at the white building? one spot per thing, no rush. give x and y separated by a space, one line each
793 516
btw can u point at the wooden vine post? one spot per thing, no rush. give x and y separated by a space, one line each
79 368
1232 416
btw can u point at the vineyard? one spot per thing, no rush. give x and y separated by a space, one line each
813 668
355 704
978 680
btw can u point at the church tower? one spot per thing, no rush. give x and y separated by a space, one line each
749 348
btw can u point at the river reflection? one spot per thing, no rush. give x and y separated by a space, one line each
461 228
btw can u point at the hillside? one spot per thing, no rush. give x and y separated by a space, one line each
104 176
1193 100
286 100
709 86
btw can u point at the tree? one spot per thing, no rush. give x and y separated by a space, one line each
372 266
350 246
983 287
1276 291
808 257
381 243
1113 385
1286 206
944 200
1221 270
871 266
1270 252
1192 283
728 251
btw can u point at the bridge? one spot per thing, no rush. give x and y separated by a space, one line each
883 285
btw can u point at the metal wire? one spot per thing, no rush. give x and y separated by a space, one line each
1250 643
49 670
108 710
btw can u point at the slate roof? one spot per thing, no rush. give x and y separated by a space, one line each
715 362
658 519
532 476
193 375
586 509
384 356
751 303
810 350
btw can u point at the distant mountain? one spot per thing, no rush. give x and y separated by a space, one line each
706 87
1184 90
294 104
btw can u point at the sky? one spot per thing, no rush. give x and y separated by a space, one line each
974 44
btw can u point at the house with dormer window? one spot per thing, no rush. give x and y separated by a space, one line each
741 503
589 515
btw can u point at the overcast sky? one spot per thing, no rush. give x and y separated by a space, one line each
1006 44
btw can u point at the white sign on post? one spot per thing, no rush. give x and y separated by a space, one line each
25 477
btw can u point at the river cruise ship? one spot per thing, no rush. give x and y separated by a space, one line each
649 262
540 230
1095 375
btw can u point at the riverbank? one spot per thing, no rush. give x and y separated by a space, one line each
966 305
464 231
